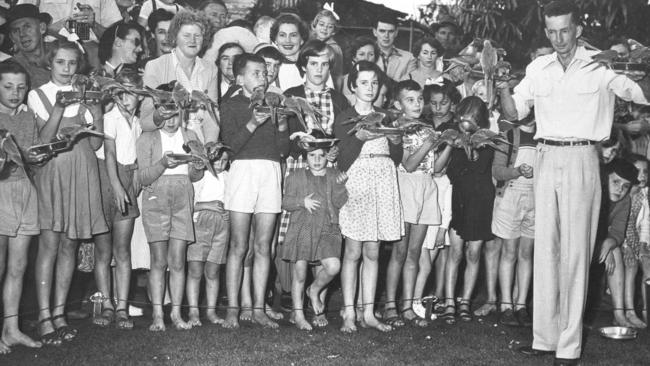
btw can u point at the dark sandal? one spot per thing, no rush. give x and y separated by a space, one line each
123 322
50 339
393 321
65 332
105 319
416 321
464 310
449 315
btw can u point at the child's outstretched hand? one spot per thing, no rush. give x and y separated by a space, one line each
341 178
311 204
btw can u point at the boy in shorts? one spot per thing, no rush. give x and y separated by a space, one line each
18 201
513 221
211 230
254 187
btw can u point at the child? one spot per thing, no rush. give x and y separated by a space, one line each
18 202
419 196
635 247
472 203
253 190
323 28
373 212
273 59
513 221
152 5
212 230
226 79
117 172
73 173
167 207
314 197
362 49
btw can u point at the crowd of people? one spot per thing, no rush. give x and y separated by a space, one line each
289 202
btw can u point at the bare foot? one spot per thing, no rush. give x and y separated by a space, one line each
4 349
486 309
260 317
319 321
231 321
194 319
303 324
634 320
246 314
16 338
158 325
213 318
272 313
410 316
348 323
180 324
372 322
620 319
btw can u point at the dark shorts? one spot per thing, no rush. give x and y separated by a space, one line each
111 211
167 208
212 231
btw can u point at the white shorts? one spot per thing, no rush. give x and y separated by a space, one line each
254 186
514 213
419 195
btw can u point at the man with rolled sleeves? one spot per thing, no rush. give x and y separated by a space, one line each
574 107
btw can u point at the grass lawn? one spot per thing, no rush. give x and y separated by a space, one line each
479 342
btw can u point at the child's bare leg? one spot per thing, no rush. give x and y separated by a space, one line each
239 231
410 271
631 269
425 265
245 294
455 255
176 263
297 291
349 283
471 273
524 270
330 267
212 273
492 255
103 254
47 250
644 262
393 272
440 264
264 229
65 263
158 254
369 280
194 274
13 252
507 271
122 233
616 281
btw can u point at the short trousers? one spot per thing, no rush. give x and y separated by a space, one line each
18 208
212 231
254 186
514 213
111 211
430 238
167 208
419 195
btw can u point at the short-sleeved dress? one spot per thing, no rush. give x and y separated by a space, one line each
315 235
472 198
69 195
373 211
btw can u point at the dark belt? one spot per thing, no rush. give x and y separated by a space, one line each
371 156
567 142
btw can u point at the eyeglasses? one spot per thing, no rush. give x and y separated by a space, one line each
137 42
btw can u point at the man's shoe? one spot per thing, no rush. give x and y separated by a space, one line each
566 361
523 318
508 318
530 351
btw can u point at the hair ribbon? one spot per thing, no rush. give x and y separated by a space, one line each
330 7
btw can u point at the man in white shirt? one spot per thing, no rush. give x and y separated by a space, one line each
574 106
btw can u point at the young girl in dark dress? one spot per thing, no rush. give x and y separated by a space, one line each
471 208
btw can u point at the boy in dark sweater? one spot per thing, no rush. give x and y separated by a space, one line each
253 189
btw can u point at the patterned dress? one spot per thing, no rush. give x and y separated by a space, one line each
373 211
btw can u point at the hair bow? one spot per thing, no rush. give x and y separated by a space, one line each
440 81
330 7
72 37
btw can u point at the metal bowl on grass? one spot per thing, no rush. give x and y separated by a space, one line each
619 333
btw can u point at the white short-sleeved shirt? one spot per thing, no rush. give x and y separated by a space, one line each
147 8
126 135
174 144
34 102
210 188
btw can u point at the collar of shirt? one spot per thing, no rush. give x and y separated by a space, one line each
323 91
581 55
393 52
21 108
180 74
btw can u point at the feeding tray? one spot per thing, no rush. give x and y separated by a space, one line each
49 148
319 143
387 130
182 158
89 96
619 333
629 66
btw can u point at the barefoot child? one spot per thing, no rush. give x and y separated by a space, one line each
373 212
419 196
167 207
18 202
212 230
117 172
72 173
314 197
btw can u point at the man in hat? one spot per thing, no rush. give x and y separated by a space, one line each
27 27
